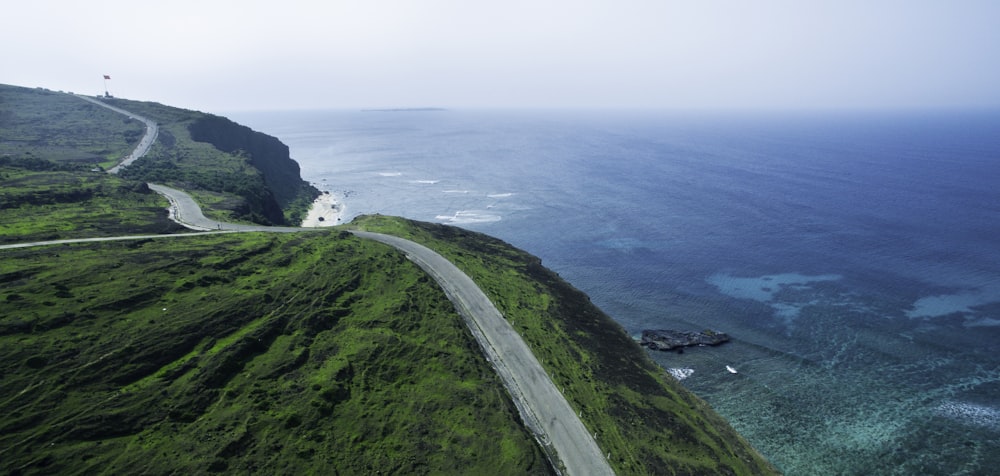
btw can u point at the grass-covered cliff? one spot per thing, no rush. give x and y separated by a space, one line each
642 417
288 354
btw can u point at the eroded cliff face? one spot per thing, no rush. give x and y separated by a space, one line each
265 153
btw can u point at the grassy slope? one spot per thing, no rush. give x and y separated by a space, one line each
49 144
273 353
73 202
62 128
646 420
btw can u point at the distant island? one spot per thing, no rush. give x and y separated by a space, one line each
291 353
407 109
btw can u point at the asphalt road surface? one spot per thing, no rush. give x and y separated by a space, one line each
184 210
543 407
152 130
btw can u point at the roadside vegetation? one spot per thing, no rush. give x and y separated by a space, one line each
43 200
41 124
276 354
642 417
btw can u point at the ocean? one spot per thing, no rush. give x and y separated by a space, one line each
854 258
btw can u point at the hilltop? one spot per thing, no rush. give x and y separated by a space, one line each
292 353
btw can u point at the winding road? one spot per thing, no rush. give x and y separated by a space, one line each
542 406
152 131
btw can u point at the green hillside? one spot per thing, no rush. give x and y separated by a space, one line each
237 173
287 353
281 354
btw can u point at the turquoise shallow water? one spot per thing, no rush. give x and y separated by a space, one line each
854 259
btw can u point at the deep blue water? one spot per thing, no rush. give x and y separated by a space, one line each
854 259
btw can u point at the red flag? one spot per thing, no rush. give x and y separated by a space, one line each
107 77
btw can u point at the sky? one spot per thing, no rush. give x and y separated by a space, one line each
222 55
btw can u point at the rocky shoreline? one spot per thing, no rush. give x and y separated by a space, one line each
667 339
326 210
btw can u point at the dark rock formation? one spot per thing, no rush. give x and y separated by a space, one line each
267 154
665 339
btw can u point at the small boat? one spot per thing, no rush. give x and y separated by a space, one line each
731 369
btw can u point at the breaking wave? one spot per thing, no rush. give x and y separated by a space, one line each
468 216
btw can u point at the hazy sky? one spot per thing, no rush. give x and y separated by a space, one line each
221 55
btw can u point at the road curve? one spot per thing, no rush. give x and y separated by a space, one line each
184 210
542 406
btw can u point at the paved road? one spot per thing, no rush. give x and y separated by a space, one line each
543 408
152 130
184 210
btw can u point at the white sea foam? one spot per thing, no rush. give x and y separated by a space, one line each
456 191
979 415
390 174
428 182
500 195
469 216
680 374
